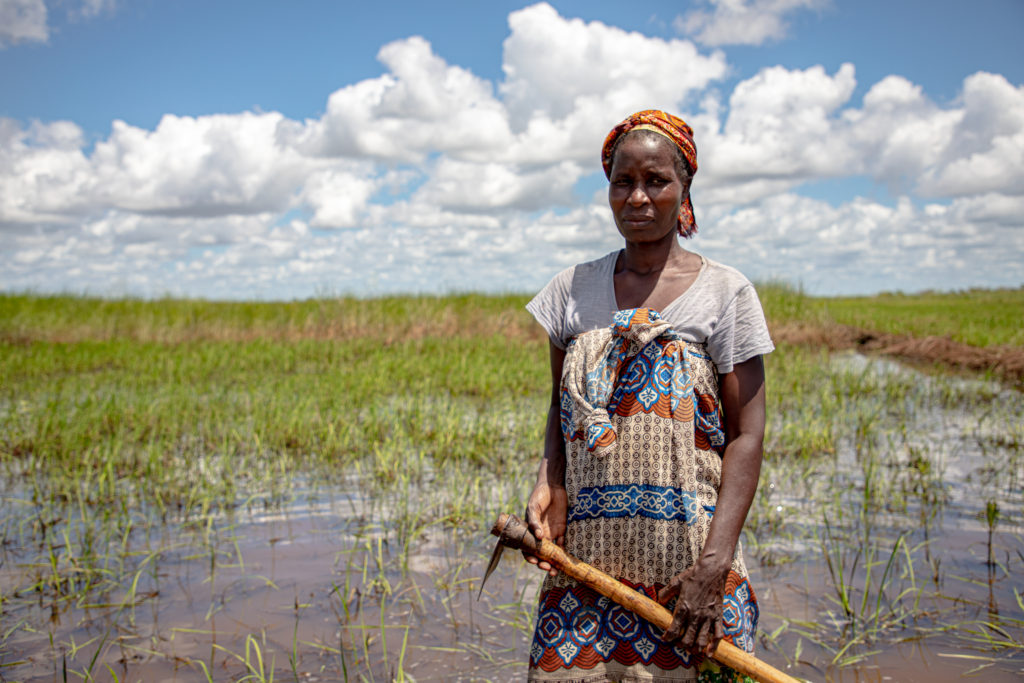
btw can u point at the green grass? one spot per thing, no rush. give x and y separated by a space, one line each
125 409
976 317
26 318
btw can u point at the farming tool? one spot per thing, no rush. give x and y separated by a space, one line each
513 532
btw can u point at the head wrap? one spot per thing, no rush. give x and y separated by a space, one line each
671 127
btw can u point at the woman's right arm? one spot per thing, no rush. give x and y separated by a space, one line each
548 506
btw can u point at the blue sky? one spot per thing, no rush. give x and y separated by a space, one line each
189 148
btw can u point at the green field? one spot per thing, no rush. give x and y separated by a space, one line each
139 440
976 317
984 317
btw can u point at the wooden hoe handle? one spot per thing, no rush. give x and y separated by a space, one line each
513 532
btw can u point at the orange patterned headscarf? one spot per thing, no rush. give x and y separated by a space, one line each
671 127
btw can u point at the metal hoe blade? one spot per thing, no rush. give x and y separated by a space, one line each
495 558
510 532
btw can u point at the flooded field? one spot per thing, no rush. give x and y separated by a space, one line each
171 514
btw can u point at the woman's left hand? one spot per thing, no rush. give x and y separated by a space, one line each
697 621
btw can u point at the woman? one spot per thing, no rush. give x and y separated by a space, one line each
653 442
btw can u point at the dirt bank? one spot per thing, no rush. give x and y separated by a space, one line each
1006 362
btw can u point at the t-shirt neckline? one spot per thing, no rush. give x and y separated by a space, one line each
613 257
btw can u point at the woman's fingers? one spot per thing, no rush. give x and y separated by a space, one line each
697 615
668 592
541 564
680 615
689 635
704 636
719 633
674 629
542 529
697 630
538 533
531 521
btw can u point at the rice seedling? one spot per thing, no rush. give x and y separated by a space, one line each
991 519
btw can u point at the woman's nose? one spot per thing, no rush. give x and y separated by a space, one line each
638 196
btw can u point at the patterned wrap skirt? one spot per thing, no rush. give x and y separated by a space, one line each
644 441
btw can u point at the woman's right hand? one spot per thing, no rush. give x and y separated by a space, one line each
546 514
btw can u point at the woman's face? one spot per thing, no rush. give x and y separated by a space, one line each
644 188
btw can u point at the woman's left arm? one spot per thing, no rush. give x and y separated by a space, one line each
701 588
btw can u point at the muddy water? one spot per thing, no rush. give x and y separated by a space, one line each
328 585
921 473
912 648
321 592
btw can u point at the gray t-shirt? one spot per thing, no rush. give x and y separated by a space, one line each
720 309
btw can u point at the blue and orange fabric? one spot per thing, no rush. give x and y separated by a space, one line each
671 127
656 380
579 628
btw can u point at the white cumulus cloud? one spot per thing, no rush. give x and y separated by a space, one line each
420 105
459 185
44 176
338 197
574 79
785 127
780 126
741 22
986 148
210 165
841 249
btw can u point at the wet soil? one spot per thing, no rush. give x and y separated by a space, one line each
1006 362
